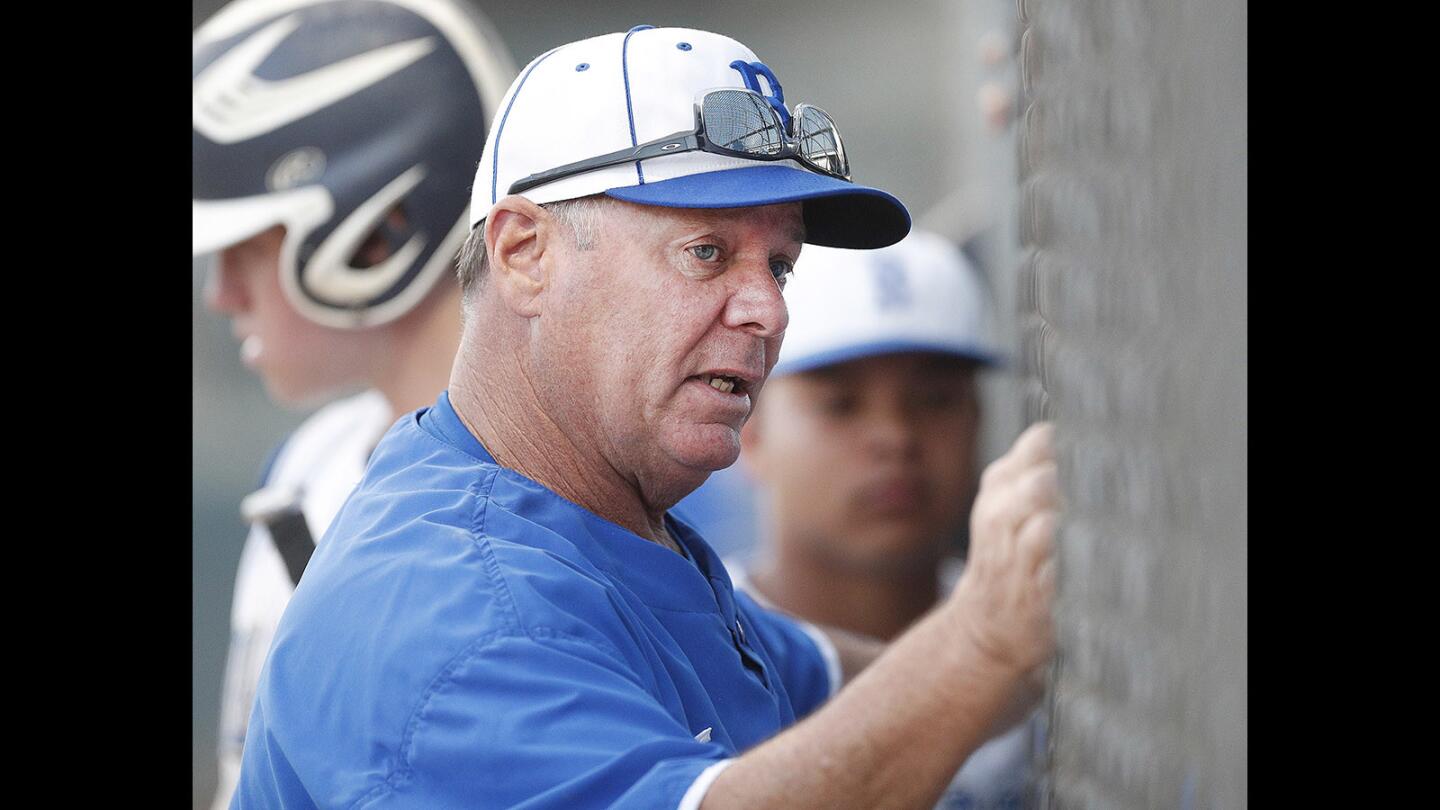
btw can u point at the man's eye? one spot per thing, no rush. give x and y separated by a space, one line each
782 270
937 398
837 404
705 253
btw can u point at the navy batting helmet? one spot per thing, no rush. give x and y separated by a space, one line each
325 116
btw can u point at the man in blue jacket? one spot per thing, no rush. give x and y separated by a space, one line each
504 614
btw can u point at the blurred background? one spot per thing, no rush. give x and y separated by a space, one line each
1091 162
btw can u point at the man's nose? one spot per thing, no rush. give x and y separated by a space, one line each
891 430
756 304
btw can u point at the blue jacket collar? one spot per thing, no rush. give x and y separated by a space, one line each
659 577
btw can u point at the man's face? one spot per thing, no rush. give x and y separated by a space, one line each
870 463
301 362
633 330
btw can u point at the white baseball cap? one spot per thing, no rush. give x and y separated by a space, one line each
617 91
920 295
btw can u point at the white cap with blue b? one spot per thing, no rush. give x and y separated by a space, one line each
920 295
678 118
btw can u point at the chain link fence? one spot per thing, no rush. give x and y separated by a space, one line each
1132 290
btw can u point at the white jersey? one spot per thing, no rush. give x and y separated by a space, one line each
321 462
998 774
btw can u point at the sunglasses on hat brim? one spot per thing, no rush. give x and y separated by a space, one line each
734 122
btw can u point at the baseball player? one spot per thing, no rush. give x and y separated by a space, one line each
863 454
505 614
333 147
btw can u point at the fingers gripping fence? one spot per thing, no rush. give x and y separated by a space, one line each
1133 307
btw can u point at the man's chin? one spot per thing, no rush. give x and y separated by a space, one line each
899 547
686 463
301 395
904 562
707 447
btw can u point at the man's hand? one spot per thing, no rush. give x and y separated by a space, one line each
897 734
1004 598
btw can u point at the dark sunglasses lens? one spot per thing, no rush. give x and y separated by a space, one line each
742 122
819 142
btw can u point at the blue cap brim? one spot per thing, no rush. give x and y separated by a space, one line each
845 354
837 213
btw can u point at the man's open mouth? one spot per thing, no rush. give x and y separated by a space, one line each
725 384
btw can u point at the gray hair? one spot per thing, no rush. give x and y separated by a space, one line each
581 216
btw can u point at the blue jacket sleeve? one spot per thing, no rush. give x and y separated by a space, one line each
542 721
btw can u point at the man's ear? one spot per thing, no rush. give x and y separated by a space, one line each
517 234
